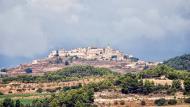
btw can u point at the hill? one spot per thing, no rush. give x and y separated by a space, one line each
179 62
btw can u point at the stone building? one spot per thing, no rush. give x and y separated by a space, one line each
90 53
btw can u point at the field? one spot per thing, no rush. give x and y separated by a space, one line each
28 88
116 99
25 98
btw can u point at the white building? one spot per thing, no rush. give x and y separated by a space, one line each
90 53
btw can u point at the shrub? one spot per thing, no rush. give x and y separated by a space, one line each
187 84
39 90
19 90
187 100
171 91
115 103
28 70
7 102
1 93
172 102
66 62
160 102
143 103
51 90
122 102
176 84
17 103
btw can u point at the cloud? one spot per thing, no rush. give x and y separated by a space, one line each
20 34
146 28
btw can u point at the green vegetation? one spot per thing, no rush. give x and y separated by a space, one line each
164 70
1 93
73 98
160 102
72 87
8 102
179 62
176 84
83 95
66 74
39 90
187 85
132 83
22 95
163 101
18 104
172 102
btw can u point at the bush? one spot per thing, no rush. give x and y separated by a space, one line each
1 93
39 90
187 100
28 70
160 102
122 102
171 91
172 102
176 84
143 103
115 103
7 102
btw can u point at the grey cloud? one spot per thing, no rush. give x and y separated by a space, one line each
141 27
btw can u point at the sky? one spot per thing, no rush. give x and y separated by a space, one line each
152 30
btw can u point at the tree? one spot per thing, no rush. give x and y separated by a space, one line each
148 87
187 84
83 97
176 84
7 102
17 103
28 70
3 70
66 62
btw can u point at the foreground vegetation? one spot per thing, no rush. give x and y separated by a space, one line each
83 95
66 74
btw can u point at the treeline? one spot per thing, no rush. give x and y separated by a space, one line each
66 74
132 83
164 70
179 62
138 83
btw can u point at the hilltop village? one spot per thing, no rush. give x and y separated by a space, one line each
94 76
97 57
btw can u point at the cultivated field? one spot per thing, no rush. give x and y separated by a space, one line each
28 88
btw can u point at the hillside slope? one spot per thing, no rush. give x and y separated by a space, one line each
179 62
